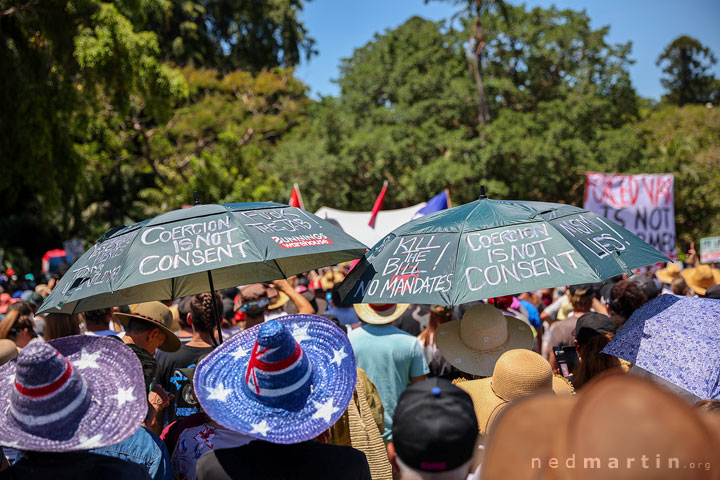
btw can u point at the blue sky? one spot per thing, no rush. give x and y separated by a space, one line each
340 26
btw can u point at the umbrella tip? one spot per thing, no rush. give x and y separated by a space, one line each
482 192
197 198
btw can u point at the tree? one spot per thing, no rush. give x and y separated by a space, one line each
687 69
559 95
233 34
72 72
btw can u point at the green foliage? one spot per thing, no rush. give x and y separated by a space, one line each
559 94
687 69
233 34
686 141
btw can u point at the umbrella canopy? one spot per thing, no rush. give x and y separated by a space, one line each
169 256
489 248
675 338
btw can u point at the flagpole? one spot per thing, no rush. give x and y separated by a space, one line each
447 194
297 189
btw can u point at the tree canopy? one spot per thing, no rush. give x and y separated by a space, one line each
686 64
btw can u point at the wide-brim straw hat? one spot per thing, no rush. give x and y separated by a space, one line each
283 381
158 315
518 373
475 342
669 273
73 393
280 300
330 279
640 420
701 278
380 313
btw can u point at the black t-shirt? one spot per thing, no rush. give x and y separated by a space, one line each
413 319
263 461
173 381
74 466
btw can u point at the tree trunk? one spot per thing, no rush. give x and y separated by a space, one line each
477 41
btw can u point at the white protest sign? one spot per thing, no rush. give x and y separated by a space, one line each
643 204
710 250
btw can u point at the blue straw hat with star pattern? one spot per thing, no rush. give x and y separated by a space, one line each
284 381
72 393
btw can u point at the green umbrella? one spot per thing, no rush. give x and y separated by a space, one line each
490 248
198 249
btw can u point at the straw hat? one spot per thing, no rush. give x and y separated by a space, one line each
279 301
282 381
157 314
517 373
668 274
380 313
700 278
474 343
73 393
330 279
8 351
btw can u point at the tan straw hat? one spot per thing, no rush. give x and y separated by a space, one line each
380 313
700 278
8 351
330 279
474 343
159 316
280 300
669 273
518 373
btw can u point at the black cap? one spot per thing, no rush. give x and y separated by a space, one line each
582 289
434 428
713 292
647 285
593 323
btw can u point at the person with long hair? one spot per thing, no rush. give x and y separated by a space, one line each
18 328
593 332
439 367
58 325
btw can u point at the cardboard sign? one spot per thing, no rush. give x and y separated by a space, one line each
643 204
710 250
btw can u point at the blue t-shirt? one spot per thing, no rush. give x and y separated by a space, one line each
533 314
390 357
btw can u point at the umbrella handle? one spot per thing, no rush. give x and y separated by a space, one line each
215 307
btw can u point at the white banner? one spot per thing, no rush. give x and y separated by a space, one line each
643 204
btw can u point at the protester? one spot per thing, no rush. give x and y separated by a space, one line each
391 357
256 298
679 287
475 342
185 332
97 322
71 395
625 298
414 320
700 278
149 326
713 292
283 383
345 315
437 364
203 341
59 325
648 286
435 432
668 274
517 373
18 328
593 332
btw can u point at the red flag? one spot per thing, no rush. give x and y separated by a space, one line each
296 198
378 205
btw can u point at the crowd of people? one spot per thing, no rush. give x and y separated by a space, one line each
304 387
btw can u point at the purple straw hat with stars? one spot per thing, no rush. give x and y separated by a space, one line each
284 381
73 393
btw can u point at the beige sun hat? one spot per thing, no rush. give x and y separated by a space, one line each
701 278
330 279
475 342
159 316
669 273
380 313
518 373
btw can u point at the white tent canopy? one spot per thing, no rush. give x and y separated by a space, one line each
356 223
